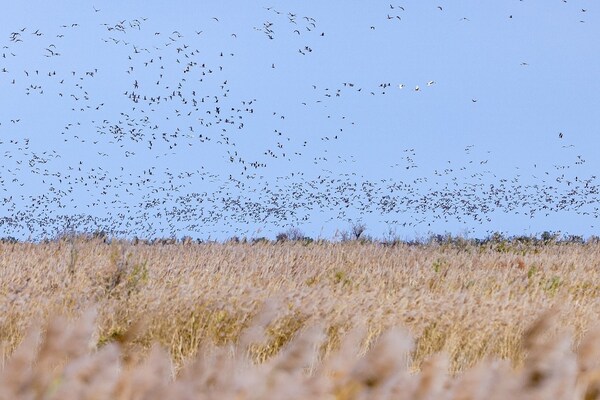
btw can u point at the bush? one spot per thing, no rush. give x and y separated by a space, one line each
291 234
9 240
358 229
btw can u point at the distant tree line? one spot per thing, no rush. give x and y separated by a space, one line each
355 233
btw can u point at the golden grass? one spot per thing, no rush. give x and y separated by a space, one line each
289 320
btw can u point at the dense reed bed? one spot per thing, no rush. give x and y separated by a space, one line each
299 320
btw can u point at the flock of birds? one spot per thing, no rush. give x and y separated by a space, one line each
133 164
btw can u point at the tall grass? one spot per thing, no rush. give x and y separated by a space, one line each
298 320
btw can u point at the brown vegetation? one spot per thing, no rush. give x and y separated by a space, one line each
299 320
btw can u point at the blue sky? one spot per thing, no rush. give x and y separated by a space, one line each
216 119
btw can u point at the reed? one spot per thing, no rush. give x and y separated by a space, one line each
88 319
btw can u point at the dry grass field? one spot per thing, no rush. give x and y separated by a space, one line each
84 319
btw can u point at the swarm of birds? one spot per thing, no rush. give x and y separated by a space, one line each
159 139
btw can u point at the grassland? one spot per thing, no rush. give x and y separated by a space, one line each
82 318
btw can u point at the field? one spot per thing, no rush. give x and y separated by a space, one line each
81 318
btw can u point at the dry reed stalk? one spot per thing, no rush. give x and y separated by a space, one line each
432 379
202 302
588 357
378 370
490 379
17 375
93 376
149 380
34 371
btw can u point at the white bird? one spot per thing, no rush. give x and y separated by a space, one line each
417 88
401 86
430 83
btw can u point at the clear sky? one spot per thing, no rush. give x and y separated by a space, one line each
222 118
